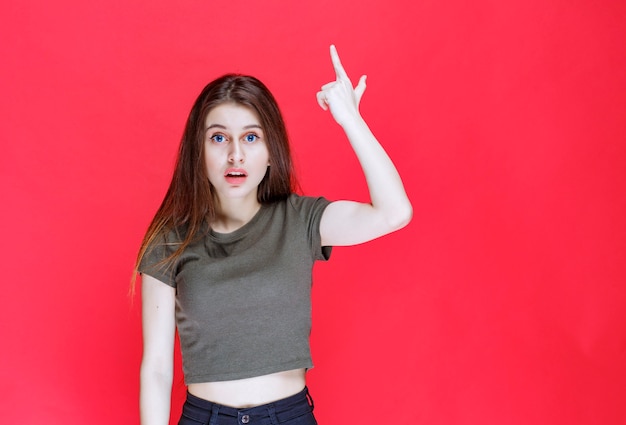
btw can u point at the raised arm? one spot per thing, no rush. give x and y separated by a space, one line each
158 301
349 222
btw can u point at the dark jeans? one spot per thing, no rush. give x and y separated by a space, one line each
294 410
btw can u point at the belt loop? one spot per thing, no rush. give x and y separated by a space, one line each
215 410
271 411
309 398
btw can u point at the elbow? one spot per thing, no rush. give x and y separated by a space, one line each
150 379
401 217
155 371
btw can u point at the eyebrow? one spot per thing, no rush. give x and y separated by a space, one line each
245 127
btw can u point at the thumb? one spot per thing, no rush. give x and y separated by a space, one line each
321 100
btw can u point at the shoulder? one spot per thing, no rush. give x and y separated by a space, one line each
160 258
304 204
168 240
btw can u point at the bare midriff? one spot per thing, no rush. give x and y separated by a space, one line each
251 392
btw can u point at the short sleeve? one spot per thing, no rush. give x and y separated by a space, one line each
154 262
310 210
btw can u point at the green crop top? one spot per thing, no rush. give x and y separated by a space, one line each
243 299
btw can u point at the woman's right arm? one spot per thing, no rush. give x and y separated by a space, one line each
157 363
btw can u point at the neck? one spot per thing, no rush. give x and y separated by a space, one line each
234 214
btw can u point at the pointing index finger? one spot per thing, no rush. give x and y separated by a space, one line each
334 57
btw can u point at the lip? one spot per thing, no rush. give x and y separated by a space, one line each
235 176
240 171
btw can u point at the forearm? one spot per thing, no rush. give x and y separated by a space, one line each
155 397
351 222
386 190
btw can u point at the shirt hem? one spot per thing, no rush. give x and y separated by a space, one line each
230 376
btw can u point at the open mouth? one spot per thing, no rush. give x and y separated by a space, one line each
235 175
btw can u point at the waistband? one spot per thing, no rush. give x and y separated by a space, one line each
271 413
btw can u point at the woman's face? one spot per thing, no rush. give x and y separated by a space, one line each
235 151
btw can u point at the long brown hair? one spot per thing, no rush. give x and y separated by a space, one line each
189 203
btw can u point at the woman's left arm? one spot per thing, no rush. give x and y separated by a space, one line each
349 222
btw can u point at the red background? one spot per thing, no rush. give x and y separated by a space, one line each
501 303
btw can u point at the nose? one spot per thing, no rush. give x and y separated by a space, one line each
236 154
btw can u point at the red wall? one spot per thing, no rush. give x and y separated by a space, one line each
501 303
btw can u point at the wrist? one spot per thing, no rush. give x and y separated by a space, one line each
352 122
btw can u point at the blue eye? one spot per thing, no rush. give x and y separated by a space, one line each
218 138
251 138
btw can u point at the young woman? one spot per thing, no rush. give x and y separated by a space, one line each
228 257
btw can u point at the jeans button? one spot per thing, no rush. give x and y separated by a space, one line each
245 419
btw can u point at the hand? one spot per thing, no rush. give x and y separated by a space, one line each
339 96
